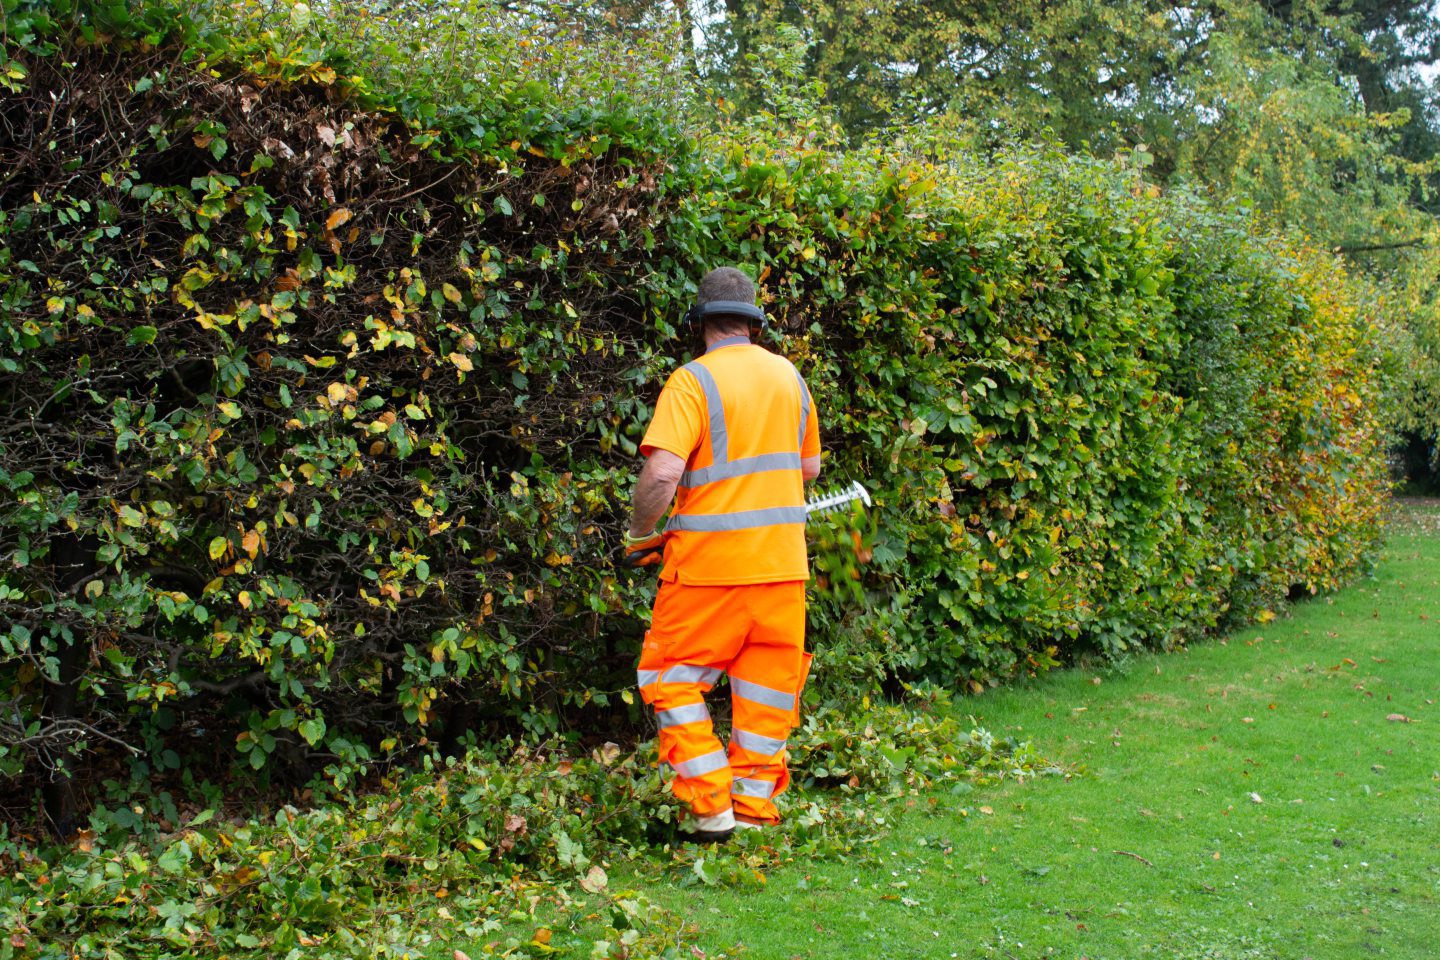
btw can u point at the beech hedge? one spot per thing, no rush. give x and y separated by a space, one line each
322 400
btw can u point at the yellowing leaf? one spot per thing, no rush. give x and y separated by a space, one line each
337 218
336 392
450 293
595 880
251 543
461 362
218 546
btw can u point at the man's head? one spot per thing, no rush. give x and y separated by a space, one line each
726 283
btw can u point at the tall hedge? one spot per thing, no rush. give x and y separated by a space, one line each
321 402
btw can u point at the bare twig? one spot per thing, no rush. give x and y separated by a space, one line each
1133 856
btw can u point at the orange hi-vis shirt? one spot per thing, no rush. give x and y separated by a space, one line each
742 419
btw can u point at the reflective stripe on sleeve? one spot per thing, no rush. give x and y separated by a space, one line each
647 677
762 463
703 764
758 693
755 743
739 520
689 713
690 673
750 787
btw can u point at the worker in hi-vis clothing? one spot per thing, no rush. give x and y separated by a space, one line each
736 434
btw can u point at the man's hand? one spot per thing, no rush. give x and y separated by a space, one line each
647 551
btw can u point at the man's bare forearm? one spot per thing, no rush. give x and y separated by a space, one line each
654 491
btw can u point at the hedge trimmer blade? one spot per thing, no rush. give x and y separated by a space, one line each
825 503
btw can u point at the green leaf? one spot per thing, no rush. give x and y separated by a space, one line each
313 730
142 335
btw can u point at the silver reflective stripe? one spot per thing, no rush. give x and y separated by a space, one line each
750 787
739 520
739 468
648 677
689 713
734 341
703 764
756 693
804 407
755 743
690 673
719 439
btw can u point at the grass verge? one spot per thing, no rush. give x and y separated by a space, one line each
1272 795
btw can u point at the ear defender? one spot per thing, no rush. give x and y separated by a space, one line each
696 315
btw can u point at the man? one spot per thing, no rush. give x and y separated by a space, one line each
736 433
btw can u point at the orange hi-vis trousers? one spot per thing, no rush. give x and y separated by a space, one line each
756 634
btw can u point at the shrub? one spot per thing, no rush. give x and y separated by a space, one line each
323 397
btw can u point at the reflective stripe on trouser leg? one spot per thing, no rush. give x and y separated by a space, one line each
689 713
757 743
701 765
759 693
750 787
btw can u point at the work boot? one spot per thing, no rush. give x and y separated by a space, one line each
716 828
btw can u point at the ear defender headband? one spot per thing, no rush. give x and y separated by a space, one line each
696 315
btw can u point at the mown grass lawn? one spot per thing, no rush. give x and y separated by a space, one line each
1272 795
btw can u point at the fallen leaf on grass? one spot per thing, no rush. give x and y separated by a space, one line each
594 881
1399 718
1256 798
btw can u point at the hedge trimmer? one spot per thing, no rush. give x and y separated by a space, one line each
822 504
841 540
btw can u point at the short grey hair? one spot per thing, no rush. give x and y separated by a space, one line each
726 283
